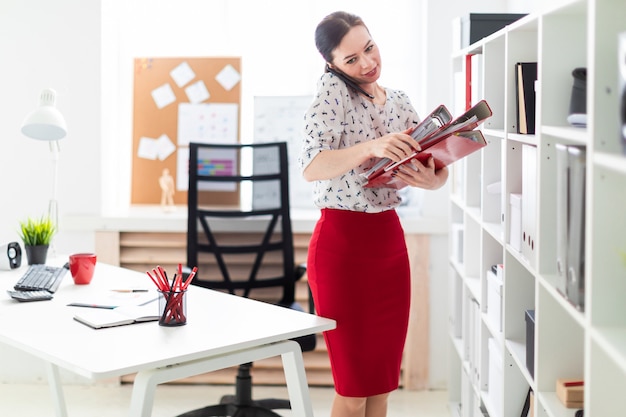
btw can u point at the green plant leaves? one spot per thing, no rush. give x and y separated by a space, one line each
37 231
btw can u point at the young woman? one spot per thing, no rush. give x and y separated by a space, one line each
357 263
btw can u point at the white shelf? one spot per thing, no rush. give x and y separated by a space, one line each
567 133
497 133
527 139
611 162
570 340
518 353
494 229
550 284
613 341
473 286
551 403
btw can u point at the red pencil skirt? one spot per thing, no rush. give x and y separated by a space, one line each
358 270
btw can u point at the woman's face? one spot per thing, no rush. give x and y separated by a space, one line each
358 56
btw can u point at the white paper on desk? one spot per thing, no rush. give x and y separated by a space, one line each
163 96
113 299
182 74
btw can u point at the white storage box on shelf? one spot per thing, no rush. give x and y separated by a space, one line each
457 242
515 235
494 300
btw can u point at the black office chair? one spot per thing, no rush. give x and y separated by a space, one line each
245 263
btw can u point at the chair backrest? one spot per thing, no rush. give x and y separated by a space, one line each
245 247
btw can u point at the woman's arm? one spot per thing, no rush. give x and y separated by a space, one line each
331 163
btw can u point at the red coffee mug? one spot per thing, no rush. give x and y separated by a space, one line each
82 266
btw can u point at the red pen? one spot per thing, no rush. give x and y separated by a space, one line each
157 283
188 281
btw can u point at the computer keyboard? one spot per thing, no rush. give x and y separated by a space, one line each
30 295
41 277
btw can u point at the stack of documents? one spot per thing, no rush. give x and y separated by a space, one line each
439 136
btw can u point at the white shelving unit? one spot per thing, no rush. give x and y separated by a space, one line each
488 366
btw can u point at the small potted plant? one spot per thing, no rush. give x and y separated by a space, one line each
36 234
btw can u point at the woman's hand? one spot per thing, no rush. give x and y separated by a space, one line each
395 146
421 175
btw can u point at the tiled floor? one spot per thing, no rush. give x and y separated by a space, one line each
113 400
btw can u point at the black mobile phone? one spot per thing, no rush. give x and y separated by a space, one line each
349 81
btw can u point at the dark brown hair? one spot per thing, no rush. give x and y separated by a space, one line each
331 30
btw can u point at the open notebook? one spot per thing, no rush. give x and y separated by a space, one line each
99 318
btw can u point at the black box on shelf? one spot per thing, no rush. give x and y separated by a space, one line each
476 26
530 341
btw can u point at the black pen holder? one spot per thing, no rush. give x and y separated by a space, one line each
173 308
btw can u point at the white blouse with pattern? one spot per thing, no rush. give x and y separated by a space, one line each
339 118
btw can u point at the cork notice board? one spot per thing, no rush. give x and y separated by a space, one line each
177 101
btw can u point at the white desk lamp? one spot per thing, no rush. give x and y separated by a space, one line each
47 123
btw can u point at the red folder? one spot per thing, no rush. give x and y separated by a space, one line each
452 148
452 142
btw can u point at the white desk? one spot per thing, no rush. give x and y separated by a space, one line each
222 331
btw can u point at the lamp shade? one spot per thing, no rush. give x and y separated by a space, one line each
45 122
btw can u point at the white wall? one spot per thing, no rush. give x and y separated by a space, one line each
84 50
86 55
277 49
42 45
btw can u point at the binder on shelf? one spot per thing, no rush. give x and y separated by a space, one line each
468 81
477 76
576 239
456 312
473 79
529 202
570 222
562 215
466 332
529 317
494 299
515 231
525 77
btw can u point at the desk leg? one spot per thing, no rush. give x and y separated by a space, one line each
297 385
56 389
142 398
146 381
